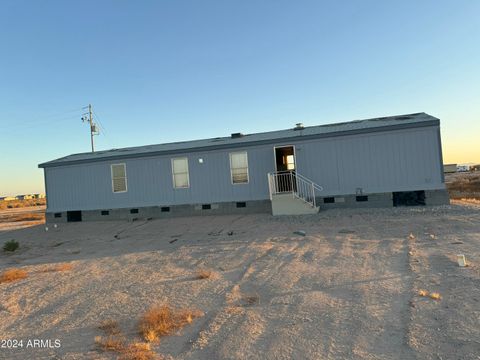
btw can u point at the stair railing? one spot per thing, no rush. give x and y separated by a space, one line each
299 186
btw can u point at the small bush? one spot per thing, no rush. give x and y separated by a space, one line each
27 217
110 343
138 351
63 267
423 292
116 342
58 267
11 245
162 320
110 327
204 274
13 275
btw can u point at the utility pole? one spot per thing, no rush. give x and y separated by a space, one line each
93 126
90 120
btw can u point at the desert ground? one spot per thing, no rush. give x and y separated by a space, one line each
358 285
463 185
17 218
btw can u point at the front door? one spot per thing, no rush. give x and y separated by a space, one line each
285 168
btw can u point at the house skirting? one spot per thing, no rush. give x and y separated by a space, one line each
378 200
156 212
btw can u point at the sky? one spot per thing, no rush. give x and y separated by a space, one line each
170 70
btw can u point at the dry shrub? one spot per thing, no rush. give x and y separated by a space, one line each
156 322
138 351
250 299
423 292
27 217
466 183
59 267
117 343
13 275
110 343
433 295
110 327
234 310
471 200
64 267
204 274
162 320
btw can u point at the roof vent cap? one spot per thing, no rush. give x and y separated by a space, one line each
299 126
236 135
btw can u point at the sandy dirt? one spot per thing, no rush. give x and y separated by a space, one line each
346 290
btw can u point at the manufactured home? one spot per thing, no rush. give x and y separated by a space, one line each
380 162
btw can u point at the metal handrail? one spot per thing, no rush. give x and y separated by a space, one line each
299 186
318 187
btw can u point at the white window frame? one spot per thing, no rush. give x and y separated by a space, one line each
231 172
173 173
112 178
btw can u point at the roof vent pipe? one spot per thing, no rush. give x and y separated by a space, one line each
299 126
236 135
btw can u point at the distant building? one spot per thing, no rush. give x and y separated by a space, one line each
8 198
463 168
24 197
449 168
38 196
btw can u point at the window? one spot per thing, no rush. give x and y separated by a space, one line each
119 178
239 167
290 162
180 173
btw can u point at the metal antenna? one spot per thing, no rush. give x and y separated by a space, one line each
93 126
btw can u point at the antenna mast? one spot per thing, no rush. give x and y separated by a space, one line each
88 117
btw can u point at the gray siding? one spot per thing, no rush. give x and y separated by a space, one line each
382 162
149 182
399 160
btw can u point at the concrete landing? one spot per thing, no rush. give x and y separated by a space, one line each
286 204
